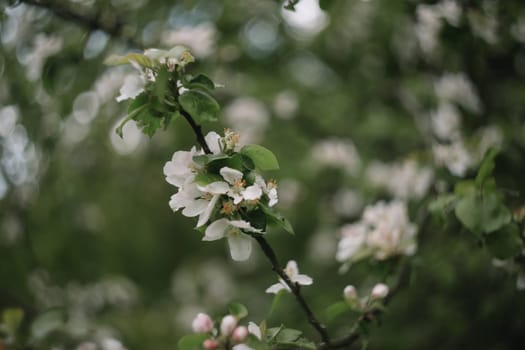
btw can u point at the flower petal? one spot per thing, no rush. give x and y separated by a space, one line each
216 230
205 216
275 288
291 268
217 187
240 246
195 208
230 175
252 192
244 225
303 280
255 330
212 140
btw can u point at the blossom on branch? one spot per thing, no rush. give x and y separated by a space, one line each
292 271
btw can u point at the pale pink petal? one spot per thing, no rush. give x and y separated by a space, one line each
252 192
275 288
205 216
230 175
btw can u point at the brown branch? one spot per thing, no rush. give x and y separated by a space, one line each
108 23
294 287
197 130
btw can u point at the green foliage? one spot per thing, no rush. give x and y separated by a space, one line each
200 105
238 310
191 342
11 320
262 157
482 213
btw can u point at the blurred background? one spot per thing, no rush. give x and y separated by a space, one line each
360 101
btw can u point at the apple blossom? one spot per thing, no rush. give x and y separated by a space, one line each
228 324
240 334
202 323
379 291
292 271
210 344
255 330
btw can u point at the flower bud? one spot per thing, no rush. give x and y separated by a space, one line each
350 293
240 334
228 324
379 291
210 344
202 323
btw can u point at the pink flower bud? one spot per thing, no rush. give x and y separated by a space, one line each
210 344
350 293
202 323
240 334
228 324
379 291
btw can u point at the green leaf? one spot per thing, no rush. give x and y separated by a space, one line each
441 203
262 157
504 243
207 178
238 310
201 81
288 335
337 309
144 61
47 322
200 105
325 4
12 318
192 342
161 83
205 159
277 219
482 214
487 166
464 187
277 300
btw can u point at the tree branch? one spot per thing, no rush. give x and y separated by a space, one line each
197 130
108 23
294 287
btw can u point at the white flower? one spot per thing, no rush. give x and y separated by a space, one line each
379 291
454 156
270 189
240 243
383 231
292 271
181 166
237 190
202 323
337 153
228 324
255 330
197 200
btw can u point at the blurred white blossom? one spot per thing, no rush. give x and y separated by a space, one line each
454 156
406 180
292 271
383 231
249 117
200 39
337 153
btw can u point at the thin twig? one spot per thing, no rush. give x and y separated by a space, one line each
294 287
113 26
197 130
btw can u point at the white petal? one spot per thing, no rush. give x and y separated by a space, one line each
255 330
272 195
292 269
195 208
252 192
245 225
212 140
131 88
240 246
230 175
303 280
218 187
205 216
216 230
237 198
275 288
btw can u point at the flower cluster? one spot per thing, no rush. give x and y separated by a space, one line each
383 231
229 335
222 189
